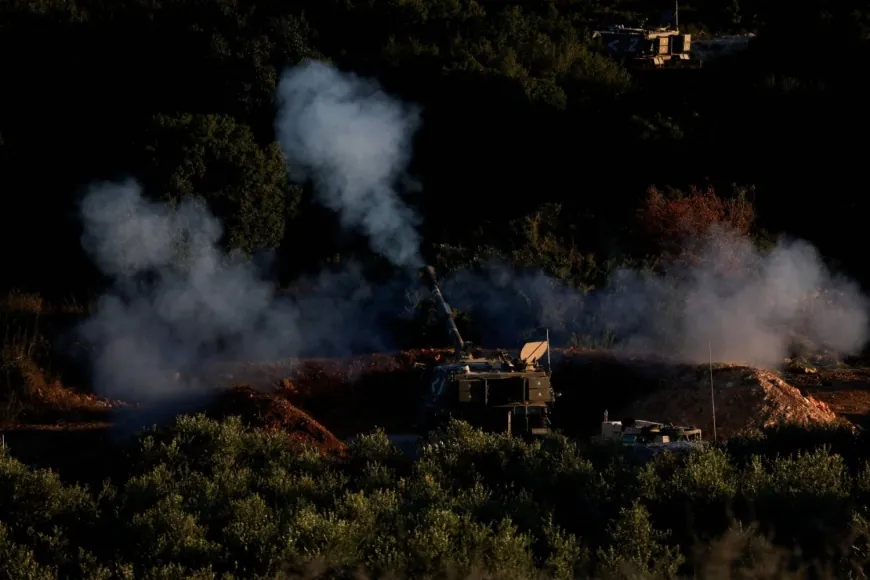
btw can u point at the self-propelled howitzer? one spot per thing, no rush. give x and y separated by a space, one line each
496 393
428 273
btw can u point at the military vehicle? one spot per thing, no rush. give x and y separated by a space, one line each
650 438
648 48
632 431
498 394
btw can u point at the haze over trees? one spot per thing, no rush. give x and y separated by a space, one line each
535 151
523 118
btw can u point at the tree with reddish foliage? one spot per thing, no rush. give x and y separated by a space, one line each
682 224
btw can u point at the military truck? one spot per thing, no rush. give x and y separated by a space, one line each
646 439
632 431
498 393
648 48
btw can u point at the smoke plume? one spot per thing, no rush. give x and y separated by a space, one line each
179 307
745 305
353 141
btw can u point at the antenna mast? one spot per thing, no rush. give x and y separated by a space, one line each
549 365
712 393
677 15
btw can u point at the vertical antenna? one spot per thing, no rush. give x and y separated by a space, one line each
677 14
712 395
549 364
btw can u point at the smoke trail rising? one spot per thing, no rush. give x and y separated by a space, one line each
354 142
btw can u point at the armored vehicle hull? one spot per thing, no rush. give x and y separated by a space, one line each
648 49
496 400
497 394
650 438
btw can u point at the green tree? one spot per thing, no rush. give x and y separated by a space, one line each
217 159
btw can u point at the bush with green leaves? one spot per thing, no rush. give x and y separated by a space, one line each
205 498
217 159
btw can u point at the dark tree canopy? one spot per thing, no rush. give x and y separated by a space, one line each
522 112
213 157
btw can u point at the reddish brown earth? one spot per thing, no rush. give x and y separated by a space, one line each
273 412
78 436
594 381
320 402
845 390
357 394
745 398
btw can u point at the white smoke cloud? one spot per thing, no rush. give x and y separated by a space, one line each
179 306
354 142
747 306
766 301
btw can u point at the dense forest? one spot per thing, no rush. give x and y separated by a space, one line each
208 499
524 120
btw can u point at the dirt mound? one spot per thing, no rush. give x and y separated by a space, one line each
353 395
662 390
315 374
273 412
594 381
744 397
845 388
33 396
346 395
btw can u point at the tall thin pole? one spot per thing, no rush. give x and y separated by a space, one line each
677 14
712 393
549 365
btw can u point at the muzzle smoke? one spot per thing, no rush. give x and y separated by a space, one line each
179 307
353 141
747 306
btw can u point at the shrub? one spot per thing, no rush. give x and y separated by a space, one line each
681 224
205 499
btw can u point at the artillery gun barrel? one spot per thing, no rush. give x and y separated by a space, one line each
428 273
